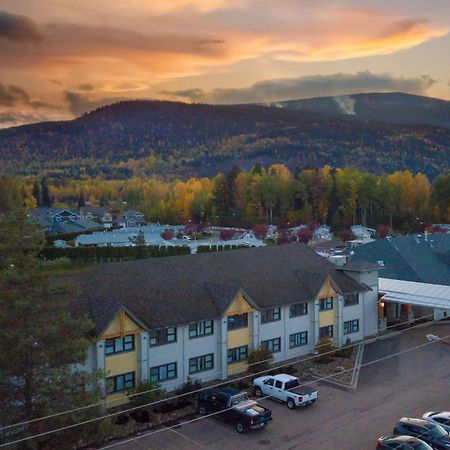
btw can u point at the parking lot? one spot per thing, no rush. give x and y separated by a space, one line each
405 385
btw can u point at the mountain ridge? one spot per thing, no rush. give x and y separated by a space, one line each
143 137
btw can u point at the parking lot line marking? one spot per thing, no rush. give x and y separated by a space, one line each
223 428
198 444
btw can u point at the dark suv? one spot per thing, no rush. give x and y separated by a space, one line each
433 434
402 443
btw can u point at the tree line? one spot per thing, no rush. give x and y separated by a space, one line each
272 195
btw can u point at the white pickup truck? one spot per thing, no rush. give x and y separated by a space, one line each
285 388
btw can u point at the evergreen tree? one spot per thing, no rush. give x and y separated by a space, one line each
37 193
40 343
81 202
46 200
10 194
139 241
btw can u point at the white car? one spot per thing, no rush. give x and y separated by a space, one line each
441 418
286 389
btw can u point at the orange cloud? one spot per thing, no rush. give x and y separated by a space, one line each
131 46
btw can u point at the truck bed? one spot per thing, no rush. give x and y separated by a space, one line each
303 390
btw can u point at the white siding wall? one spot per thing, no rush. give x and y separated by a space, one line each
272 330
351 313
296 325
180 352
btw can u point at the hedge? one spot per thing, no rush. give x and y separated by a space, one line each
218 248
104 254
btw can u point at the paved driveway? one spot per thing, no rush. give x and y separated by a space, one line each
404 385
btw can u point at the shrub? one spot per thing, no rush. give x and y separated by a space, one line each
148 392
325 347
186 388
345 352
259 360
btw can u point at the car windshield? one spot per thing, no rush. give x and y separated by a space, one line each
437 432
291 384
239 398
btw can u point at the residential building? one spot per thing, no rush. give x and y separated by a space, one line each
415 281
199 316
131 218
97 214
61 221
322 232
362 233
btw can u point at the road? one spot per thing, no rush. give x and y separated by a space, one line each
405 385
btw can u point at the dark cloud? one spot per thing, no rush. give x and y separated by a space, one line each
17 28
86 87
195 94
12 95
12 118
79 103
309 86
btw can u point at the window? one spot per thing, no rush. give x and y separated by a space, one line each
120 383
119 345
164 372
270 315
163 336
326 331
237 354
326 304
201 363
352 326
298 309
278 384
237 321
298 339
273 345
351 299
201 329
269 382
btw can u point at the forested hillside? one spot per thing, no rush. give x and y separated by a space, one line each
136 138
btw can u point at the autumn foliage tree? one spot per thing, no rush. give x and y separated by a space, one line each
227 234
383 231
167 234
304 235
260 230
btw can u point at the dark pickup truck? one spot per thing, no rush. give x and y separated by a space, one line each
234 406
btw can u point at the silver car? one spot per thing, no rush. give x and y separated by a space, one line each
442 418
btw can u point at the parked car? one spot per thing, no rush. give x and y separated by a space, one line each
285 388
234 406
442 418
432 433
402 443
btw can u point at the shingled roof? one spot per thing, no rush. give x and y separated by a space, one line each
178 290
419 258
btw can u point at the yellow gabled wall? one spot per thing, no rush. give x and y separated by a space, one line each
120 326
241 336
239 306
327 318
125 362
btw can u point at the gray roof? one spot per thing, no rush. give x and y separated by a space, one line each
178 290
96 210
410 258
360 266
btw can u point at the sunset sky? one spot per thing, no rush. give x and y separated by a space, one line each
60 58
